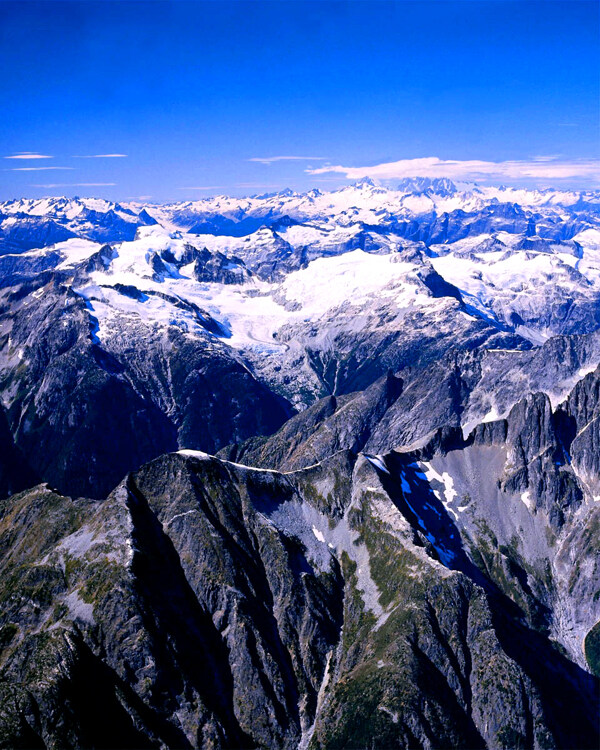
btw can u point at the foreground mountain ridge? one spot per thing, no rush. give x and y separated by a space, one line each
382 629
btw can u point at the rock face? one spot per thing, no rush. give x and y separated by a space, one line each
15 473
219 268
84 414
301 471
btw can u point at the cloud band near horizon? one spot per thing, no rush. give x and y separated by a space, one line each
271 159
28 155
76 184
101 156
542 167
37 169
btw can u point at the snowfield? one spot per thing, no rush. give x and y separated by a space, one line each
360 256
251 313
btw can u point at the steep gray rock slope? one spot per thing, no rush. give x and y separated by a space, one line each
85 413
205 604
408 408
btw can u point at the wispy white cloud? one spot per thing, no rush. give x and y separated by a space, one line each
204 187
254 185
101 156
271 159
237 186
35 169
552 157
28 155
76 184
543 168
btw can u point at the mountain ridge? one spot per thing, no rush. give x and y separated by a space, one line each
301 470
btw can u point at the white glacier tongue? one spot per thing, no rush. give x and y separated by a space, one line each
253 312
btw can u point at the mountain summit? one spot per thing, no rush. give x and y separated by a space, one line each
440 186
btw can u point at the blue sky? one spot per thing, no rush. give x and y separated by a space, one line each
192 94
